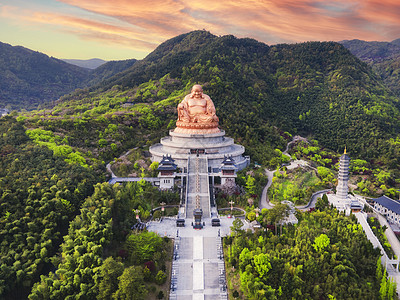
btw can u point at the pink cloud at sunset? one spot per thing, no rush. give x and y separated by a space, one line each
142 25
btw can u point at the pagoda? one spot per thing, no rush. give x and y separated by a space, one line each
342 189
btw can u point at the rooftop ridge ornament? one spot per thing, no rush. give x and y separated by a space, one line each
197 114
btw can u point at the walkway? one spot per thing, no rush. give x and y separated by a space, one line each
127 179
198 269
198 192
388 263
264 201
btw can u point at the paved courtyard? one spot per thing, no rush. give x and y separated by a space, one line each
198 270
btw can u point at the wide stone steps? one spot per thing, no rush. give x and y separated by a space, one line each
198 194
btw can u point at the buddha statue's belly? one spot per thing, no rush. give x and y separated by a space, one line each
197 110
197 106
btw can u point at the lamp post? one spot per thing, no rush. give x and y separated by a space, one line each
137 212
162 207
231 203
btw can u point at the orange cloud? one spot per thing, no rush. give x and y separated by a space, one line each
270 21
145 24
87 29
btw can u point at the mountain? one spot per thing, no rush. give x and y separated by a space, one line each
373 51
383 57
92 63
29 78
314 88
108 70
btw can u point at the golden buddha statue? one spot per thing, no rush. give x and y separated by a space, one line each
196 113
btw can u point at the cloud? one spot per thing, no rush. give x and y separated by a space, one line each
270 21
84 28
145 24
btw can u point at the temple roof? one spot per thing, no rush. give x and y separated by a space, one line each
167 164
345 156
228 163
389 203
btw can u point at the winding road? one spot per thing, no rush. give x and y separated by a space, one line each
264 201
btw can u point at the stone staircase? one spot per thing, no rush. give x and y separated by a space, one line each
197 187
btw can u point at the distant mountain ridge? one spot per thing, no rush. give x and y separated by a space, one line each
92 63
29 78
373 51
383 57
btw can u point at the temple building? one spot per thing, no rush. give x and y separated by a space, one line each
389 208
228 170
167 172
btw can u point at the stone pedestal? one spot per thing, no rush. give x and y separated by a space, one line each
214 145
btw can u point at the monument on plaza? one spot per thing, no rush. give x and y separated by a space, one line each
197 114
197 132
201 151
342 200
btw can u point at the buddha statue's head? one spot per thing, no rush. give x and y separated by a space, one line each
197 91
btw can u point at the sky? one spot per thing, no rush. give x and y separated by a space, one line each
124 29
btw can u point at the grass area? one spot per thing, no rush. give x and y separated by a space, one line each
155 289
294 185
232 277
379 232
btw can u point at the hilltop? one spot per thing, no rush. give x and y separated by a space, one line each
383 57
92 63
29 78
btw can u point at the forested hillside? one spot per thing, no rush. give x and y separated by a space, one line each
259 92
325 256
29 79
383 57
39 194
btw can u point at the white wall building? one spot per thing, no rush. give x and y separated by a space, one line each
389 208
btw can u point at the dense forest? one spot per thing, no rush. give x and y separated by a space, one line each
47 200
383 57
325 256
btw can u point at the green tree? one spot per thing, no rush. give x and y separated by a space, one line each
142 246
236 227
250 185
107 280
321 242
161 277
262 264
131 285
322 203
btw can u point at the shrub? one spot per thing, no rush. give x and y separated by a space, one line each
161 277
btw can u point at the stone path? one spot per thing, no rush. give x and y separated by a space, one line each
386 262
197 186
264 201
198 269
